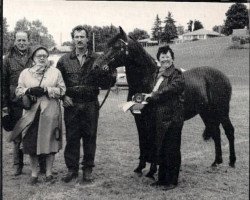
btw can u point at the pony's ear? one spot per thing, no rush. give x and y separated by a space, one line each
123 34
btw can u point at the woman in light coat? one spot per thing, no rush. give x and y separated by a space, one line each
40 124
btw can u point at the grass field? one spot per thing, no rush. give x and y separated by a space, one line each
117 146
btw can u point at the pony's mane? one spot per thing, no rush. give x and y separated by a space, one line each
147 58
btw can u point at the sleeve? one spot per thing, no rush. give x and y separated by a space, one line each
21 88
59 90
5 83
175 87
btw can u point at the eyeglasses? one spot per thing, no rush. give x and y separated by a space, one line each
41 56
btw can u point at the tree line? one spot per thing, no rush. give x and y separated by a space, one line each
236 18
162 31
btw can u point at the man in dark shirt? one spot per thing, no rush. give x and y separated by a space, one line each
81 104
17 59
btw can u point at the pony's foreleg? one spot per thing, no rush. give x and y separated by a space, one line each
229 131
152 170
142 144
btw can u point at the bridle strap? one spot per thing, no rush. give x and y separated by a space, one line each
108 91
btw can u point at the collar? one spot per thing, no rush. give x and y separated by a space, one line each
74 54
169 71
84 54
18 52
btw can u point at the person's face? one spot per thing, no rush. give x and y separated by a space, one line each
166 59
21 41
41 57
80 39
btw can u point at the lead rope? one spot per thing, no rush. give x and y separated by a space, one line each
106 96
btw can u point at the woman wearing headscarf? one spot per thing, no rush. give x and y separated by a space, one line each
41 124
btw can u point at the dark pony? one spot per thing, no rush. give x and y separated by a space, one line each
208 92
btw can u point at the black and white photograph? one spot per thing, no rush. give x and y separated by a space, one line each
124 100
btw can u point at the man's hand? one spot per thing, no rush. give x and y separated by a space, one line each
5 111
67 102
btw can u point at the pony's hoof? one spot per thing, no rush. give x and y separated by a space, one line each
216 163
232 165
140 167
138 170
150 175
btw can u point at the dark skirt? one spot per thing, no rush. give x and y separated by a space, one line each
30 139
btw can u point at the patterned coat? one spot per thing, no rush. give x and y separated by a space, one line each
76 75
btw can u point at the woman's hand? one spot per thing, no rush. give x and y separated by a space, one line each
36 91
147 96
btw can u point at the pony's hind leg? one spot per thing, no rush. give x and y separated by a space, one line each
212 130
229 131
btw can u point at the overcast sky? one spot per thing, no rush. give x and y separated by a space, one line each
61 16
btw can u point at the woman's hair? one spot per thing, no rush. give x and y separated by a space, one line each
165 49
79 28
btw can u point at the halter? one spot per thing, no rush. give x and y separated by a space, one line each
111 60
120 51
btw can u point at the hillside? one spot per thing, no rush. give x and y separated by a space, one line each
212 52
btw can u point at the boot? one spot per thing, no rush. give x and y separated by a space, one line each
87 174
18 170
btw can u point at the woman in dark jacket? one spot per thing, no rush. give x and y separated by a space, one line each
167 98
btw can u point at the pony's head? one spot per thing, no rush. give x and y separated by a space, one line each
116 53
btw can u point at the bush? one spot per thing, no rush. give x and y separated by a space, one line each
238 46
241 39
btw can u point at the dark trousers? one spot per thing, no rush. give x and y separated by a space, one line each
146 127
16 112
81 122
170 155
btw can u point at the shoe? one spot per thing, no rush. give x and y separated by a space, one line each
18 170
33 181
69 177
87 174
49 178
169 187
157 184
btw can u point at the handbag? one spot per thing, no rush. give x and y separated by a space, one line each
28 100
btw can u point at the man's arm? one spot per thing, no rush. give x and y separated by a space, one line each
67 101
